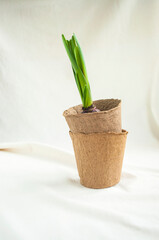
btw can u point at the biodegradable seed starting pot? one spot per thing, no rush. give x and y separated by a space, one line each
98 142
107 120
95 128
99 157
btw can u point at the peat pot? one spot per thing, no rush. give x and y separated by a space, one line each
107 120
99 157
98 142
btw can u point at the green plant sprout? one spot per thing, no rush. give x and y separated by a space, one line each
79 70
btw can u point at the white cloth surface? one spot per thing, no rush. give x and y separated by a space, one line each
41 198
40 194
120 43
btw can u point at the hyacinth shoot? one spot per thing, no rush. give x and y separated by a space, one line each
79 70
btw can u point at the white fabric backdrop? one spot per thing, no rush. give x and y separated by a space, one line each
40 194
120 41
41 198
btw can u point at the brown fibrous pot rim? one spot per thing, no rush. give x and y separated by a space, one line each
71 112
124 132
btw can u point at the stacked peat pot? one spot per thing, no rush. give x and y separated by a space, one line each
98 142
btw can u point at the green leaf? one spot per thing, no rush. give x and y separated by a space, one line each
77 57
70 53
79 70
81 57
71 57
87 100
78 61
73 44
78 84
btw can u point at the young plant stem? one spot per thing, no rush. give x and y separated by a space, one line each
80 74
